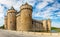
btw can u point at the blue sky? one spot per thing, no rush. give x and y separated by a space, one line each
42 9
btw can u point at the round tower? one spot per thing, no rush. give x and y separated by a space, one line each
49 25
11 18
26 17
45 25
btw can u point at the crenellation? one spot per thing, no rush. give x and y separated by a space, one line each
17 15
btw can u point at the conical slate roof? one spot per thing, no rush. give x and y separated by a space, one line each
12 8
26 3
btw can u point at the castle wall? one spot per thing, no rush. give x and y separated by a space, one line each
5 22
45 25
49 24
18 21
38 26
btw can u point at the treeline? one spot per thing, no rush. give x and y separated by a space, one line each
55 28
2 27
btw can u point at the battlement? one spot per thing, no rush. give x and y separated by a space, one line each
11 10
5 17
18 15
26 6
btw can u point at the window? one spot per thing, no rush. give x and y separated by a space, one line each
29 14
11 22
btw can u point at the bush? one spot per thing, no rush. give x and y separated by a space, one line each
2 27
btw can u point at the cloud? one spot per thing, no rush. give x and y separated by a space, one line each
44 15
58 14
1 12
1 15
55 24
40 5
6 2
1 9
45 10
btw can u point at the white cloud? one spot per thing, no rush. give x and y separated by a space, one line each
1 12
47 12
41 5
6 2
1 15
9 3
56 24
56 5
49 0
1 9
17 6
16 3
58 14
31 2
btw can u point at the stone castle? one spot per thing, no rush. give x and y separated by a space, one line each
22 20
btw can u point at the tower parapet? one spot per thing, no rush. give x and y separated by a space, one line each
26 6
11 10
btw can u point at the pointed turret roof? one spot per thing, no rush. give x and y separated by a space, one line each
26 3
12 8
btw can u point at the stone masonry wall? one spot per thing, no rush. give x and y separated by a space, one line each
5 22
11 20
18 21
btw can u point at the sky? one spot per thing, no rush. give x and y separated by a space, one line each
42 9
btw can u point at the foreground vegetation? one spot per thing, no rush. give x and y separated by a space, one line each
55 28
2 27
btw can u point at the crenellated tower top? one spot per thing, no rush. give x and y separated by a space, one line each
11 10
26 6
